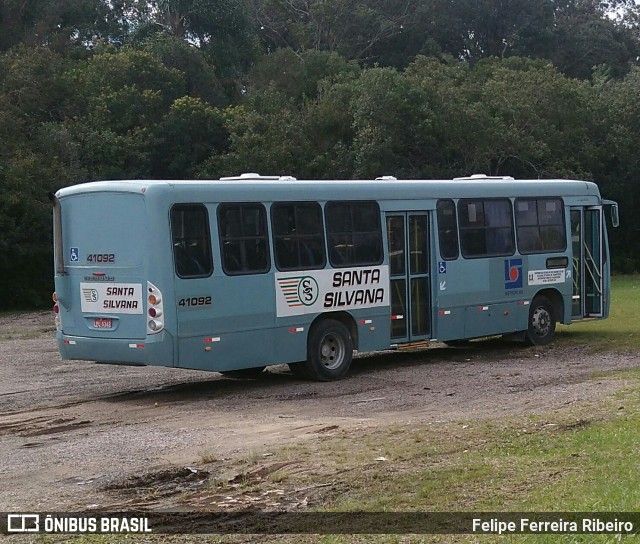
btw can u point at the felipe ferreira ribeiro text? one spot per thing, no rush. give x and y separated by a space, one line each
525 525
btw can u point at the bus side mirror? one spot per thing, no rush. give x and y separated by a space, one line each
615 217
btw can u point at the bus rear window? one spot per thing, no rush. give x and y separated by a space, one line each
191 241
354 233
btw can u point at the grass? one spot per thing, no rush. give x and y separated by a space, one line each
207 458
621 331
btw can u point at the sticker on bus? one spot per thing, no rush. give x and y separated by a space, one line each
317 291
543 277
116 298
512 273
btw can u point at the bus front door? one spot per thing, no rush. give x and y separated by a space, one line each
588 262
408 238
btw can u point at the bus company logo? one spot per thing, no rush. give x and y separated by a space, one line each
299 291
513 273
90 295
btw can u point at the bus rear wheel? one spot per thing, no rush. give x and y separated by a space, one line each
329 351
542 322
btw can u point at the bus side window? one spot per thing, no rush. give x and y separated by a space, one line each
191 241
298 235
486 228
447 229
354 233
540 225
243 238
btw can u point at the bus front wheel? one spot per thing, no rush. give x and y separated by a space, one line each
329 351
542 322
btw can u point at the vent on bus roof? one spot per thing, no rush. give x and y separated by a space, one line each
387 178
476 177
254 177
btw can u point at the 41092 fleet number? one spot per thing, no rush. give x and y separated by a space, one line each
101 258
194 301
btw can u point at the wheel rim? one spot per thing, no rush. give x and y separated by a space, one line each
332 350
541 322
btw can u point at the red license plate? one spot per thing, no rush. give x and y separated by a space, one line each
102 322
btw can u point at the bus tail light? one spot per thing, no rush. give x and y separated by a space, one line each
154 325
154 309
56 311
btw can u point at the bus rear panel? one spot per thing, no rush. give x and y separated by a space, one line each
102 288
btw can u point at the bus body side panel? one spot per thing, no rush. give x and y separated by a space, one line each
374 329
492 295
103 292
475 299
541 278
234 328
235 331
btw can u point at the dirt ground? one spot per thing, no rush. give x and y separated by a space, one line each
72 432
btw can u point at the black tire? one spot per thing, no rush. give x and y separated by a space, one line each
244 373
329 351
542 322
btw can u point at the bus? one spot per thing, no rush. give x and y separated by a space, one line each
236 274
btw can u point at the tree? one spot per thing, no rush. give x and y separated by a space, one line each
576 35
61 25
198 71
36 156
190 132
298 75
389 115
352 28
220 28
586 37
615 161
119 100
509 117
266 136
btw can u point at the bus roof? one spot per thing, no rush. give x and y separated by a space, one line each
382 189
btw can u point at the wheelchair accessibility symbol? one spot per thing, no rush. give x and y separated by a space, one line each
74 256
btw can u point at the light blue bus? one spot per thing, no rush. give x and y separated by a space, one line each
236 274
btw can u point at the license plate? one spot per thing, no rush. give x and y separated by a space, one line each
102 322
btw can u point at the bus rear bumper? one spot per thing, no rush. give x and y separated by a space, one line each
155 350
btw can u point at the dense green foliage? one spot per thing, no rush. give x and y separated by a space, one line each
91 89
